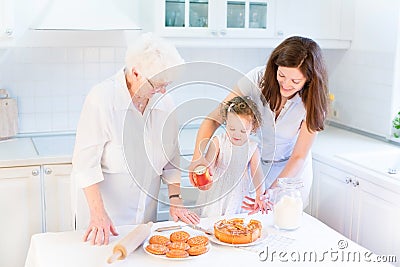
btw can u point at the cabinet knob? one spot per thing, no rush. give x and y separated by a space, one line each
222 32
356 183
279 33
348 179
8 32
214 33
48 171
35 172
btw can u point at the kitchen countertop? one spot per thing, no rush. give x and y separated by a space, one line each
57 149
334 142
36 150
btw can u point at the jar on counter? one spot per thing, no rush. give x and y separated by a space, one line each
287 204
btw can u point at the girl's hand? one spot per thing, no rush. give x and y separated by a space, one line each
262 204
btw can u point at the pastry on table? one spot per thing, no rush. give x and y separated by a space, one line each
235 231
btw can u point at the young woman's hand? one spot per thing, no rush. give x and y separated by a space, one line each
201 161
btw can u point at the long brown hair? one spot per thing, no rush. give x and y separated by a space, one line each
305 54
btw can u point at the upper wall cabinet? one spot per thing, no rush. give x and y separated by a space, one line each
6 21
216 18
323 20
249 23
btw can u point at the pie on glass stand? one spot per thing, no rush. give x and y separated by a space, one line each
235 231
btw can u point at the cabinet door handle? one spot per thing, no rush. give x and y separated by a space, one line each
348 179
9 32
48 171
35 172
222 32
214 33
356 183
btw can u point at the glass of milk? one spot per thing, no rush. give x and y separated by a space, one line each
288 204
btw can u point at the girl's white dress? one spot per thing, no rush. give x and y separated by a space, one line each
231 179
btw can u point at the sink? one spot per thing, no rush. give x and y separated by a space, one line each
385 162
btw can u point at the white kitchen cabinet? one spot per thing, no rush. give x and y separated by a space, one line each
328 19
6 21
249 23
215 18
363 211
21 208
57 197
376 218
332 197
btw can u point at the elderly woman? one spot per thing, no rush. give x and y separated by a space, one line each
126 144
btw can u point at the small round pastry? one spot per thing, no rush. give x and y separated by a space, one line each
234 231
197 250
157 249
159 239
177 253
179 236
179 245
198 240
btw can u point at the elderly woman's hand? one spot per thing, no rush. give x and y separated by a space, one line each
179 212
99 229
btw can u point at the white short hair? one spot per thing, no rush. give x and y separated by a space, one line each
151 56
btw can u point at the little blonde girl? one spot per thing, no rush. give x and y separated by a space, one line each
234 158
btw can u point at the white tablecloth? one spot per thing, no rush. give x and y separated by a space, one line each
281 248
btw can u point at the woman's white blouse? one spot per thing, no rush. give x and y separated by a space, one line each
278 136
115 142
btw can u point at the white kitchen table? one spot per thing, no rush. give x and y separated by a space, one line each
284 248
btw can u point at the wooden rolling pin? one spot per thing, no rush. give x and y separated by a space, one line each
130 242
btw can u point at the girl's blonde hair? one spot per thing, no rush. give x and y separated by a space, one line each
242 106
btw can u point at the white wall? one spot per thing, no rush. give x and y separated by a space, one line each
362 78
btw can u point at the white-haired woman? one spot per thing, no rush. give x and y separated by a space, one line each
126 143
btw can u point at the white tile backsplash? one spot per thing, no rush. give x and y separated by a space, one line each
91 71
60 120
74 55
107 54
26 105
27 122
51 83
44 121
91 54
